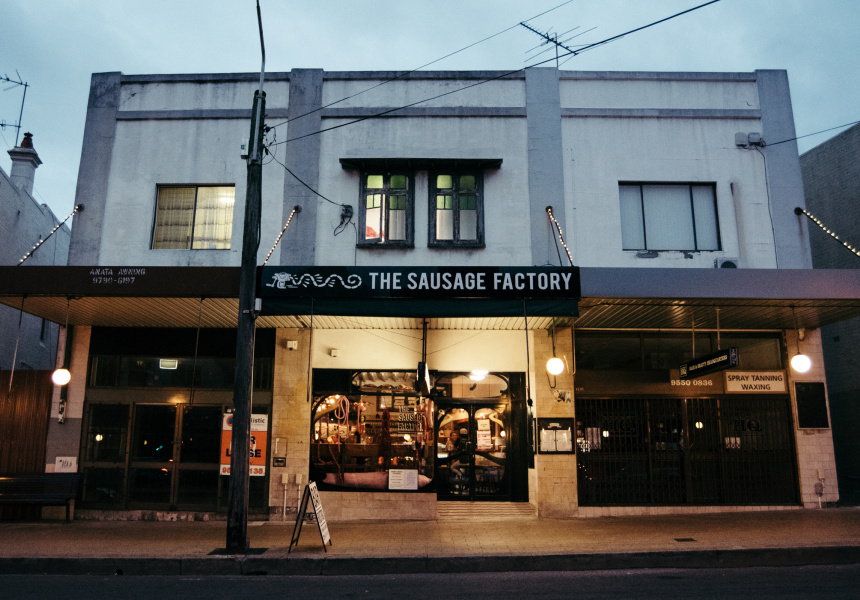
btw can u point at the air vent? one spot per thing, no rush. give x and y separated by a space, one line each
727 263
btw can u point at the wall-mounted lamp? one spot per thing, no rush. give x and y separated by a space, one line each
62 376
800 362
555 365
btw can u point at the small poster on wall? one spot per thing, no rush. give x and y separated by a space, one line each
555 436
403 479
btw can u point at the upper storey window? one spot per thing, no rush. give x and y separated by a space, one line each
456 210
194 218
668 216
385 217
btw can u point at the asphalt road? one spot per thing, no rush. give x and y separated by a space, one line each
762 583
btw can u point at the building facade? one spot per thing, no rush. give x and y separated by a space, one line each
31 344
831 182
24 223
449 232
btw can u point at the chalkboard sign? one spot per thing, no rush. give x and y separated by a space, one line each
312 494
811 405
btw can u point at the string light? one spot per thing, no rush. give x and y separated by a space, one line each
560 235
800 211
78 208
296 209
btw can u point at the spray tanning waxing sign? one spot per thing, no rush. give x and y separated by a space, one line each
259 441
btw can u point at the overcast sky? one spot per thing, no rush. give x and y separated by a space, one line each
56 45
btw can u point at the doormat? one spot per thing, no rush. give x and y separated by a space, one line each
225 552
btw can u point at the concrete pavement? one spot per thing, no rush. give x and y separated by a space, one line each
761 538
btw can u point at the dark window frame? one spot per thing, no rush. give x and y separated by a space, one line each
455 192
381 242
689 185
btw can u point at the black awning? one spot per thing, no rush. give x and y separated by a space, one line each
410 307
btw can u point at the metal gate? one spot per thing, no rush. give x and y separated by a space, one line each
699 451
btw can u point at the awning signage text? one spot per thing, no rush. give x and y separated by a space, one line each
718 361
756 382
421 282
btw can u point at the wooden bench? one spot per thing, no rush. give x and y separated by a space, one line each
46 489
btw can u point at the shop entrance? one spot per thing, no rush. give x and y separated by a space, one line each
472 450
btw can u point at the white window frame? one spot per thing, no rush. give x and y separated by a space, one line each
156 244
635 217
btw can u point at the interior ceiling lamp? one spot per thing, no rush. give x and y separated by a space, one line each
478 375
62 376
554 366
799 362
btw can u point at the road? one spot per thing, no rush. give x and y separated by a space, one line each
763 583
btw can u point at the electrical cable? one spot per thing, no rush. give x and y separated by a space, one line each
809 134
297 178
496 78
422 66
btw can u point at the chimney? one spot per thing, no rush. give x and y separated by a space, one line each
24 163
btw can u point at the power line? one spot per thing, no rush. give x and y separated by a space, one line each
809 134
416 69
503 75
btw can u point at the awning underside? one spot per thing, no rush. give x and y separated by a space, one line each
598 313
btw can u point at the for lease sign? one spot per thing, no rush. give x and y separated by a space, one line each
259 439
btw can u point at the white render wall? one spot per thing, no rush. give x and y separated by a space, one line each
661 92
505 190
363 92
614 127
601 152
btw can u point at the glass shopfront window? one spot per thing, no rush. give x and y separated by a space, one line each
375 425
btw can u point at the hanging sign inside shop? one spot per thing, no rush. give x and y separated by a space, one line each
420 282
756 382
704 365
259 441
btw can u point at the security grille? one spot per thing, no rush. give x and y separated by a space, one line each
700 451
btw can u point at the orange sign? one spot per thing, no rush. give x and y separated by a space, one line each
259 441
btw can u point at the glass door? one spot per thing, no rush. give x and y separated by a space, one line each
471 451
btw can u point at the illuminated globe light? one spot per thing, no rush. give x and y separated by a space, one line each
555 366
478 375
801 363
61 377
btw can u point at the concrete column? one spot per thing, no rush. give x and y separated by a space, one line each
303 158
556 473
546 161
94 171
291 419
784 180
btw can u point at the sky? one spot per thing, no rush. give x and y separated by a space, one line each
56 45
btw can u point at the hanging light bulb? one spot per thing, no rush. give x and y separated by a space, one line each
799 362
555 366
61 376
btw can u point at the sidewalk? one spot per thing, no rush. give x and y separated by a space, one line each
779 538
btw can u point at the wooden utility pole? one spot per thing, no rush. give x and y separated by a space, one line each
237 500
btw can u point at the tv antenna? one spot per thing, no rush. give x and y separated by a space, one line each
17 83
553 38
